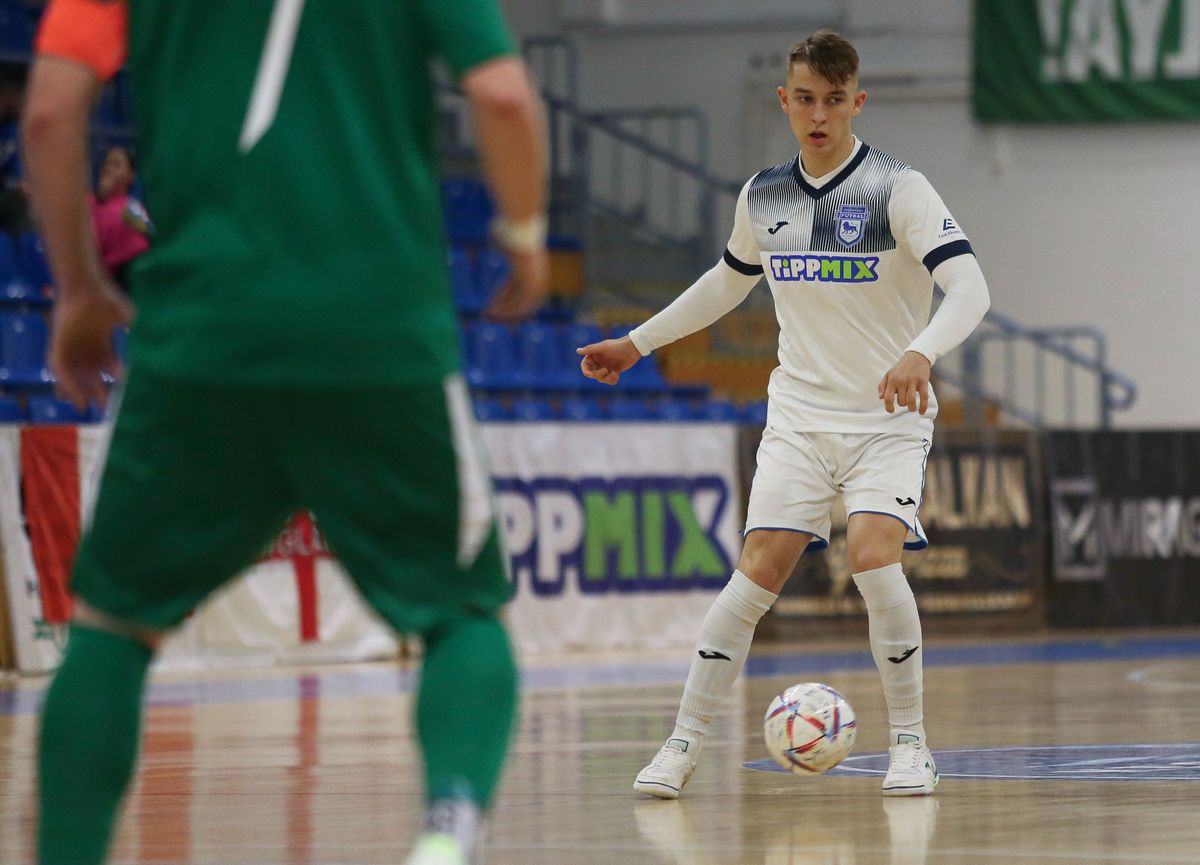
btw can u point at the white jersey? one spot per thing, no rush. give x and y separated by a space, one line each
849 264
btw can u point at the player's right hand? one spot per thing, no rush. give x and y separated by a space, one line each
527 288
605 361
81 347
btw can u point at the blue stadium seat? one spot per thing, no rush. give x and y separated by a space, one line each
540 356
755 413
14 290
468 210
490 410
492 271
23 351
468 300
532 409
582 408
669 408
629 409
10 410
120 337
719 410
645 374
490 356
16 29
576 336
31 258
49 410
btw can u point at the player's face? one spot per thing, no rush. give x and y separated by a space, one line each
821 113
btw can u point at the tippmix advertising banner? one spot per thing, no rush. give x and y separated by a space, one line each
617 536
1086 61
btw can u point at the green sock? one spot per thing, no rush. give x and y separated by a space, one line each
89 742
465 708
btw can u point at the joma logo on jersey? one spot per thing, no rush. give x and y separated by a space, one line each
823 268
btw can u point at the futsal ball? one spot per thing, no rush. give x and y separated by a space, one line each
809 728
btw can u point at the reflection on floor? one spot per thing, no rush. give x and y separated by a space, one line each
1060 751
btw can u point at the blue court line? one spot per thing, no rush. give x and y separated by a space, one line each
390 681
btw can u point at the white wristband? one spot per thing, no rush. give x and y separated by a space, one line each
528 235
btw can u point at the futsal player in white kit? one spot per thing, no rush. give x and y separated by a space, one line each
851 242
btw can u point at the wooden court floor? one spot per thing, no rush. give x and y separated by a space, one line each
1061 750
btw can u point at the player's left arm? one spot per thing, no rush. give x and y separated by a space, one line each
81 44
924 226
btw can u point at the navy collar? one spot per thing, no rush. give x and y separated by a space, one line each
835 182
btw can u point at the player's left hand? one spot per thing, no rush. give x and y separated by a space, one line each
81 347
907 383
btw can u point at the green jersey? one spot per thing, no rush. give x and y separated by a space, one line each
288 159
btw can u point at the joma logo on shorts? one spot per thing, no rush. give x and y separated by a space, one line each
823 268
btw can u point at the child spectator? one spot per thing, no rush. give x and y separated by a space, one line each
121 223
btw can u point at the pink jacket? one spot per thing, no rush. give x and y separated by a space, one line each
117 221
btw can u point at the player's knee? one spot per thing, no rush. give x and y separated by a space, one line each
767 565
869 555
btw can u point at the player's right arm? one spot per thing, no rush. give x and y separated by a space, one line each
510 132
80 45
709 298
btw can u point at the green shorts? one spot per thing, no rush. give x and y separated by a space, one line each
199 480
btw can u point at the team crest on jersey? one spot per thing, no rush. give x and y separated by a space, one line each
852 222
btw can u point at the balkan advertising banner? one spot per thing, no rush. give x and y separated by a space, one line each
980 511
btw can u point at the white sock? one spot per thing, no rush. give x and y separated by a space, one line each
895 630
459 818
721 651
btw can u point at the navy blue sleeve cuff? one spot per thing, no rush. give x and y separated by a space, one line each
945 253
741 266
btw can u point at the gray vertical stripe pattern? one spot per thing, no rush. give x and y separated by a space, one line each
775 195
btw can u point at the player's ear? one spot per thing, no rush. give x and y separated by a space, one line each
782 93
860 99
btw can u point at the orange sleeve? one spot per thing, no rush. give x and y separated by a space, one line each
91 32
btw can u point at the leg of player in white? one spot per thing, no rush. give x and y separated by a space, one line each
796 481
768 559
875 541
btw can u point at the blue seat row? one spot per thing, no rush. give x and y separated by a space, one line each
541 356
45 410
24 348
24 274
468 210
475 278
581 407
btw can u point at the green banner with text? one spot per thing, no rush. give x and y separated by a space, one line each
1086 61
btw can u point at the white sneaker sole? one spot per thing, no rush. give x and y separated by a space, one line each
657 789
914 790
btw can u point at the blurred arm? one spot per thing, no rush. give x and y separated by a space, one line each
510 132
58 105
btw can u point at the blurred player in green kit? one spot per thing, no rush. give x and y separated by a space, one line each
295 347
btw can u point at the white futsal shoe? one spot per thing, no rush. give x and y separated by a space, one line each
436 848
911 770
670 769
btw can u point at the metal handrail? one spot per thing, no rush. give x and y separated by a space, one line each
1047 340
1115 391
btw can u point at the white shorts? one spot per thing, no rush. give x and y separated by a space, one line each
800 474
